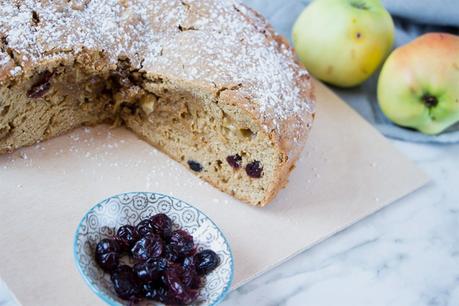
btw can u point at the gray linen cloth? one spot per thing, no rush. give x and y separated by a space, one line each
412 18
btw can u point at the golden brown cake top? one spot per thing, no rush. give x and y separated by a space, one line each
217 42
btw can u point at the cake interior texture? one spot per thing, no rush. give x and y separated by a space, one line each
218 141
213 128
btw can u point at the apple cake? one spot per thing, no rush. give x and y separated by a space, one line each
208 82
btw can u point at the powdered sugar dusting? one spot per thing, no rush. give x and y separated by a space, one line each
4 59
213 41
16 71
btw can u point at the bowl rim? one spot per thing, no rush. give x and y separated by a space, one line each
107 298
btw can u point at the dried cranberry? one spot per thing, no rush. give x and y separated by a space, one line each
169 273
127 236
190 296
120 78
125 283
158 293
162 225
206 261
177 290
41 87
148 247
195 166
254 169
108 261
190 277
234 161
149 290
145 228
173 280
153 291
188 263
151 269
170 254
182 243
107 246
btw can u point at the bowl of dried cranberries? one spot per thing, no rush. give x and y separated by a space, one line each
151 249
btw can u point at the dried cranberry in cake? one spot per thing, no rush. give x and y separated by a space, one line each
125 283
254 169
182 243
127 236
162 225
108 261
234 161
107 246
41 87
145 228
206 261
195 166
120 79
150 246
151 269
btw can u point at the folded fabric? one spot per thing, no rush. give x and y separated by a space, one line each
412 18
439 12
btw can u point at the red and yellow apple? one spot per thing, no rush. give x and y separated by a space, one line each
343 42
419 83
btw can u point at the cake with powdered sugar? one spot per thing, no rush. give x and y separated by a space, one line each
208 82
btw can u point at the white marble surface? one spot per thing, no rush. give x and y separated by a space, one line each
405 255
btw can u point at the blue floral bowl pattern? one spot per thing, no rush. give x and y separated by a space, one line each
130 208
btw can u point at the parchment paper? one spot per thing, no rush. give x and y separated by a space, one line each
347 171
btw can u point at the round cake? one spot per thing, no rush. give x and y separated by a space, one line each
208 82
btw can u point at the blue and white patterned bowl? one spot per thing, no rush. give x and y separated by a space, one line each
105 218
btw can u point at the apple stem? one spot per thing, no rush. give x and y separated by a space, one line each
429 100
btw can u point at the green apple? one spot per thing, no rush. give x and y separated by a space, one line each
419 83
343 42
